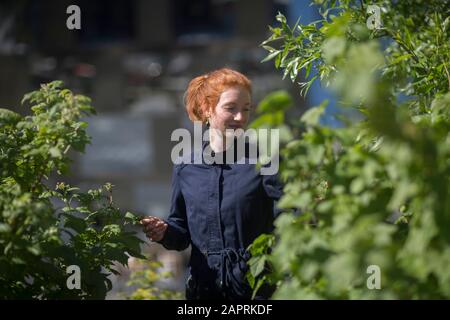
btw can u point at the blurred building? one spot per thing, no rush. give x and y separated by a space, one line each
134 58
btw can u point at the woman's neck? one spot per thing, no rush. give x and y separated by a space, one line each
218 140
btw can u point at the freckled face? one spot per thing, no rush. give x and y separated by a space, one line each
232 110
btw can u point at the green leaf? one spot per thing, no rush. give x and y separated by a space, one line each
258 286
8 117
4 228
271 55
257 265
275 101
55 152
75 223
35 250
312 116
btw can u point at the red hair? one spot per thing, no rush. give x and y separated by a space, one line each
204 91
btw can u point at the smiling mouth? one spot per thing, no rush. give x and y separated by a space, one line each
234 127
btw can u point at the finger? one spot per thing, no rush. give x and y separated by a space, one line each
157 234
154 237
145 221
149 219
150 223
159 231
160 224
149 229
152 226
155 230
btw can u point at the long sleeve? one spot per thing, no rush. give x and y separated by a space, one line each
274 190
177 235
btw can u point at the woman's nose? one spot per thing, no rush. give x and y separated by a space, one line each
238 116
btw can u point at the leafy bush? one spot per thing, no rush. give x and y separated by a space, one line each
377 190
145 280
39 240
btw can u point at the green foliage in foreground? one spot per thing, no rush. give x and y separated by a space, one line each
377 190
145 282
43 230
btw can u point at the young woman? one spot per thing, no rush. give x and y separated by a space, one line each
218 209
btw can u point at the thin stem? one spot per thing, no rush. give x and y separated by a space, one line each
448 75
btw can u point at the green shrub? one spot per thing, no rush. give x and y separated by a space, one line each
43 229
144 282
377 190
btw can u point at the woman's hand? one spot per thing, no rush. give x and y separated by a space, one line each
154 228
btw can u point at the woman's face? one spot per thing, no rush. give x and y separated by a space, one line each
232 110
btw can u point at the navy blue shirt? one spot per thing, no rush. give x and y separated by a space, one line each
219 209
